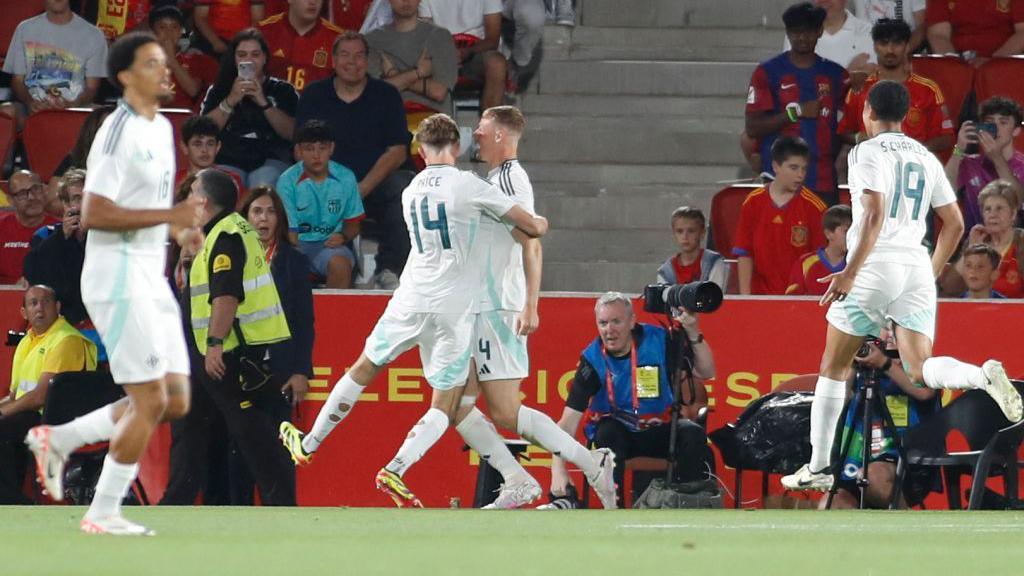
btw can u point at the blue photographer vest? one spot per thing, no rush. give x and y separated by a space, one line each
635 390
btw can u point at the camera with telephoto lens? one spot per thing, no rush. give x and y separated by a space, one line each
865 348
695 297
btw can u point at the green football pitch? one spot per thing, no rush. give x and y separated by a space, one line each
304 541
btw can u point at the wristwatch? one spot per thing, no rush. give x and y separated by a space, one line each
698 339
213 341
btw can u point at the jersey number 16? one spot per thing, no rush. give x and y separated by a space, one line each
440 224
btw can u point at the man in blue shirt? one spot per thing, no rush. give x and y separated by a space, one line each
324 209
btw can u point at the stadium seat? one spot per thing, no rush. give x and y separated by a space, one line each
725 215
953 75
466 93
8 134
49 136
13 12
177 116
1001 77
844 195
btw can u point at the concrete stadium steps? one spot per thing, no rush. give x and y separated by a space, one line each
601 175
662 44
645 78
683 13
600 276
639 208
609 105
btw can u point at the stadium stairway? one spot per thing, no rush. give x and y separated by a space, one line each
635 111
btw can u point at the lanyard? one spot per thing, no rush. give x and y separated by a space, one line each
632 373
271 249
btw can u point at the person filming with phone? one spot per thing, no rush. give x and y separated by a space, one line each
256 112
984 152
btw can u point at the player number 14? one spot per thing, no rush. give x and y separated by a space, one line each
909 183
440 223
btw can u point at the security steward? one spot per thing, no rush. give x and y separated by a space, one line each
234 312
50 346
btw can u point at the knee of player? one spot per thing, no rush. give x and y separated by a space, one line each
153 405
505 417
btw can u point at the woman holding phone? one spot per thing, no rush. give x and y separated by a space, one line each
256 112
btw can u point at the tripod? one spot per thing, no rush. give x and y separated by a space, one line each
870 402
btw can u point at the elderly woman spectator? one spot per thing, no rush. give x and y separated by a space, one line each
999 205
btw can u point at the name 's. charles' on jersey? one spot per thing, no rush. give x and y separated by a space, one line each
903 145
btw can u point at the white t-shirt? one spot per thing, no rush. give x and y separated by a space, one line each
504 280
912 180
852 39
56 59
460 16
442 207
875 10
131 162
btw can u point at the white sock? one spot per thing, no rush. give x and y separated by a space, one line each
96 426
339 403
829 397
947 373
423 435
481 436
112 487
540 429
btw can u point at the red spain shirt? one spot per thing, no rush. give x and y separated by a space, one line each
1009 281
203 69
229 17
926 119
808 269
979 25
299 59
776 236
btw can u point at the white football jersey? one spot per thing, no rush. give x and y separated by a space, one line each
442 207
131 162
912 180
504 281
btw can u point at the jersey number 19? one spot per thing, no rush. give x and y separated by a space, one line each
909 183
440 224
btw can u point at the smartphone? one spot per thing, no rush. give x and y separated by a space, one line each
989 127
247 70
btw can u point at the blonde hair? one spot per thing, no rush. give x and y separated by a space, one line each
509 117
999 189
437 131
73 177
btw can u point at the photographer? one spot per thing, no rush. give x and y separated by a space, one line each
624 385
908 405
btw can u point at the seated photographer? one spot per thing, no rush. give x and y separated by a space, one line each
632 415
50 346
908 405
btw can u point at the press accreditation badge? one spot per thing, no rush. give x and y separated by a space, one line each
647 382
899 409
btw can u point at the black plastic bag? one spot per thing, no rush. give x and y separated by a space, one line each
772 434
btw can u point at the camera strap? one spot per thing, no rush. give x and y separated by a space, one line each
609 380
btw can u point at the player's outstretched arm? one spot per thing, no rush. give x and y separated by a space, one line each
949 236
533 226
102 213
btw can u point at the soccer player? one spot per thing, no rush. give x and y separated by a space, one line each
300 43
127 209
888 276
432 307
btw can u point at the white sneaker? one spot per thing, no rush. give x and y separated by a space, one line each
49 462
805 479
1002 391
604 481
114 526
516 495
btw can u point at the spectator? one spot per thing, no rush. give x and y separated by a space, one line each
321 198
348 14
798 93
50 346
256 112
416 57
692 262
624 386
927 120
193 70
200 143
480 61
367 122
300 43
980 270
845 39
561 12
809 268
225 307
911 11
523 32
915 403
985 29
970 172
56 60
778 222
218 21
16 228
999 204
115 17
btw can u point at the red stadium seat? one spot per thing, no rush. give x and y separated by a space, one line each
49 136
954 76
177 116
12 12
1001 77
725 215
8 133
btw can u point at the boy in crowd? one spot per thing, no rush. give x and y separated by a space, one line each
803 278
980 269
200 142
692 262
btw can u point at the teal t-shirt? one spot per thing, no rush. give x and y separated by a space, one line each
318 209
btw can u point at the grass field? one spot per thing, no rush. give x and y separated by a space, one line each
256 541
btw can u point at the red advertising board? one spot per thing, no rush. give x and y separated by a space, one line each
757 342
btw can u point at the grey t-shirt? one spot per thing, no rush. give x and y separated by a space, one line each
403 49
56 59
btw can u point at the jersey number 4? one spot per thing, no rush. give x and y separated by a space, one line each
440 224
909 183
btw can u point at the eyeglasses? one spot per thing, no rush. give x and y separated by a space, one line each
24 192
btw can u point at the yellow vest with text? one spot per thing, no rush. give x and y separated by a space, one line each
30 355
259 315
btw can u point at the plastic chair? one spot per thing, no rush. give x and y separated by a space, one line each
178 116
1000 77
466 93
13 12
954 76
8 134
49 136
992 441
725 216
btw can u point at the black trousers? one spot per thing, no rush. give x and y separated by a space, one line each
691 447
242 484
14 456
384 205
